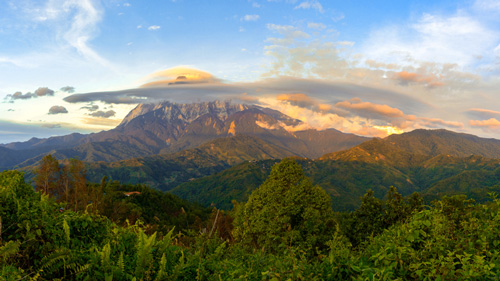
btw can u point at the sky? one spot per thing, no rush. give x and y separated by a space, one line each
371 68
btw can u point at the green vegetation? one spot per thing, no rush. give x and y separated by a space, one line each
285 210
397 238
346 180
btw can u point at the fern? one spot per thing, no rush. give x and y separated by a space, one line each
162 273
121 264
144 252
9 249
66 231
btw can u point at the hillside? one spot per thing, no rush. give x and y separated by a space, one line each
169 170
435 169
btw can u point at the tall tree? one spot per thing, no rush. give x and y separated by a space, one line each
286 209
47 178
77 178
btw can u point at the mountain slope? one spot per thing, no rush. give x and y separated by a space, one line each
417 146
169 170
435 163
166 127
435 142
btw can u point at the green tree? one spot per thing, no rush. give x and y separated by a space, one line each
285 210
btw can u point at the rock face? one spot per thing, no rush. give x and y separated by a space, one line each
168 127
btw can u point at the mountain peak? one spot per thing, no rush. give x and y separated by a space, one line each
187 112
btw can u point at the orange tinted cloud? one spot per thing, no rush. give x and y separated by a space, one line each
491 123
303 100
178 75
370 110
299 98
406 77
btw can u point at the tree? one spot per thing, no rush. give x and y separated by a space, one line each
76 174
285 210
47 178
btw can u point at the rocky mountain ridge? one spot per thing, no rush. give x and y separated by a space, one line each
168 127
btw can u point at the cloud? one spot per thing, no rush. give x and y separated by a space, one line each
40 92
371 110
68 89
314 25
51 126
491 123
305 101
483 113
487 5
21 96
10 109
322 103
178 75
57 109
154 27
250 18
44 91
92 107
102 114
104 122
311 4
405 78
10 132
458 39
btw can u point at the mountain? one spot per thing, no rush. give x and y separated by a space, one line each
417 146
431 162
166 127
166 171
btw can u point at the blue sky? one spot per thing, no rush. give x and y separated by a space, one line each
365 67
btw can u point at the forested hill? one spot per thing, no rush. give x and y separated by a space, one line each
420 142
434 162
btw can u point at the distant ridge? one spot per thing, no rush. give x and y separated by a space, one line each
419 145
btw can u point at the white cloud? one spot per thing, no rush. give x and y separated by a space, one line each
488 5
250 18
126 4
458 39
82 17
154 27
312 4
139 26
314 25
255 5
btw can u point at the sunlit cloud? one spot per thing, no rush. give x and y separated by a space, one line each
178 75
491 123
405 78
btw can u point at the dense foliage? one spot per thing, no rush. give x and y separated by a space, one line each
455 238
347 181
285 210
